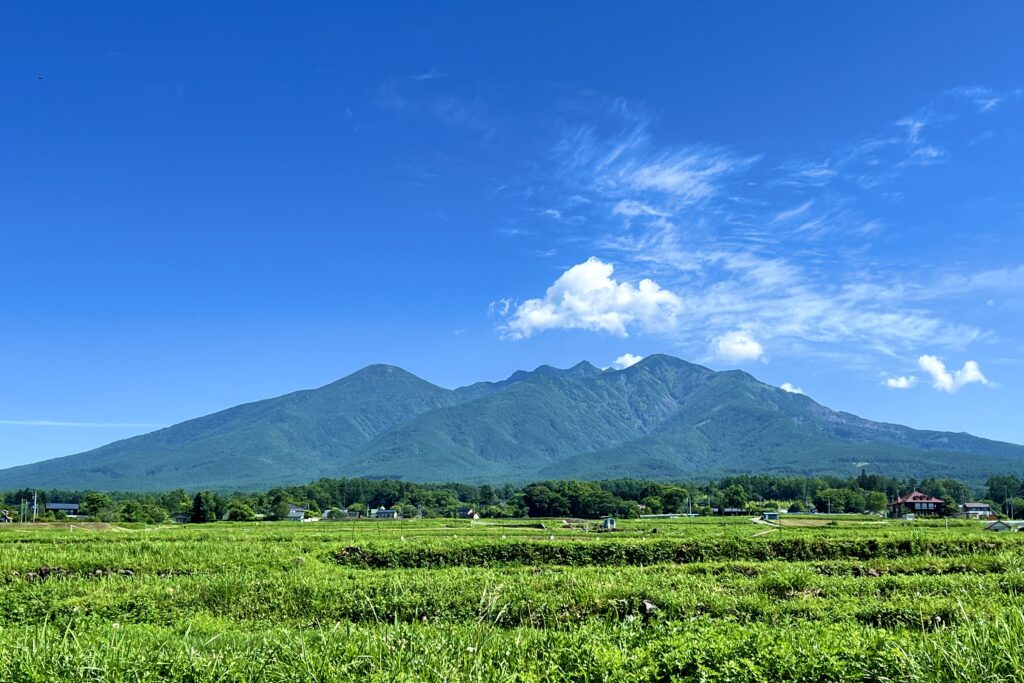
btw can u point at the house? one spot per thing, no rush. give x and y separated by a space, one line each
295 513
469 514
732 511
385 513
1004 525
916 503
608 523
976 510
181 517
69 509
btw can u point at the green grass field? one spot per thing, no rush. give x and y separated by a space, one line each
844 598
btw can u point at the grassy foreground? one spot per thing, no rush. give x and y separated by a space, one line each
709 600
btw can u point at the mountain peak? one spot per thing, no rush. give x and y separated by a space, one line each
381 372
662 362
663 417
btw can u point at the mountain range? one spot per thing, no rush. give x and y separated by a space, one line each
662 418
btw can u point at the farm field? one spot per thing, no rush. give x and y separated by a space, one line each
844 598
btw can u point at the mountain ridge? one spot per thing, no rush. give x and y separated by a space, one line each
662 418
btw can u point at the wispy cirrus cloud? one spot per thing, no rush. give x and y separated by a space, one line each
763 259
454 109
432 74
984 99
795 212
626 165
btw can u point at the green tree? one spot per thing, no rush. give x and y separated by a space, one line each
240 512
487 496
203 508
653 504
831 499
98 505
875 501
1014 507
280 510
541 501
734 497
674 499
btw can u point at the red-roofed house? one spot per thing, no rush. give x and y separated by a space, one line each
916 503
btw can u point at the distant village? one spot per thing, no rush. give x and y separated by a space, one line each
1000 503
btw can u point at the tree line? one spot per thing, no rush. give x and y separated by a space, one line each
619 497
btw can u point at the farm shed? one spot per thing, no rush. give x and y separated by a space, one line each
976 510
1004 525
69 509
5 517
608 524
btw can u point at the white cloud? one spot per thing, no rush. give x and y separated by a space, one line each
500 308
587 297
943 380
643 180
914 126
626 359
726 289
429 75
632 208
902 382
984 99
786 386
764 255
793 213
737 345
689 175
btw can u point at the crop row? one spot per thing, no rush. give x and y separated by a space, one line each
551 597
490 552
211 651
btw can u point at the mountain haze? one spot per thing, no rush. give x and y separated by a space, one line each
662 418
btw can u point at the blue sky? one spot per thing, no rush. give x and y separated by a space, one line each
203 204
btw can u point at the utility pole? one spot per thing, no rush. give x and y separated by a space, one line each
35 504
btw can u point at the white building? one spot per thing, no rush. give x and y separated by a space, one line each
385 513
